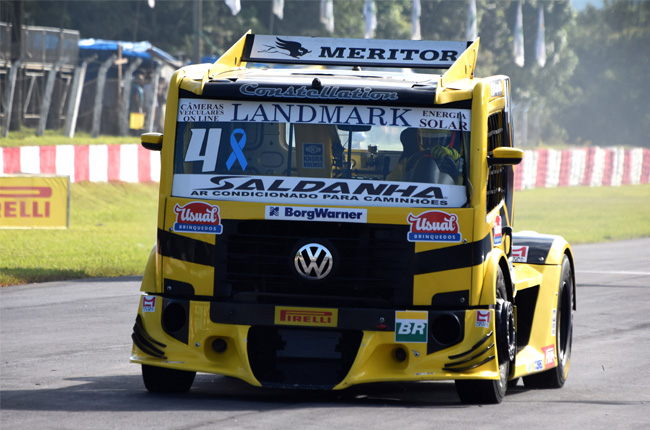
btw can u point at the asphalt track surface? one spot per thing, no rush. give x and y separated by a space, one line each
65 348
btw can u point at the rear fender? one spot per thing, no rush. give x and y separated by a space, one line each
546 249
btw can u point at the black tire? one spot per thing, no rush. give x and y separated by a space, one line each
482 392
556 377
164 380
493 391
513 383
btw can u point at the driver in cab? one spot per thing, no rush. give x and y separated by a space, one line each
428 153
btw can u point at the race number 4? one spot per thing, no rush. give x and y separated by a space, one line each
208 156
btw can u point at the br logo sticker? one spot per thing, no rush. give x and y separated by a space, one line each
411 326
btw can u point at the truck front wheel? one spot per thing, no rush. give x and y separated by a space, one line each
493 391
163 380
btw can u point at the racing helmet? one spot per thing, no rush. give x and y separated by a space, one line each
430 138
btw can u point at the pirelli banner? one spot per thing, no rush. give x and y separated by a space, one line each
34 201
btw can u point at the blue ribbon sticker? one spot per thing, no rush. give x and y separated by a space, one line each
237 146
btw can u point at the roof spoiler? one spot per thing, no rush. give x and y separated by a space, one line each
325 51
458 57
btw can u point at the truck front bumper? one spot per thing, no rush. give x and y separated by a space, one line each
321 348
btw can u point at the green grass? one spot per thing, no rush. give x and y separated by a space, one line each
113 227
585 215
27 137
112 230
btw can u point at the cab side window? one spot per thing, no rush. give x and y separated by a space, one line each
497 178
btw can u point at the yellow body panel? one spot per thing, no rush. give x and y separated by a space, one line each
197 354
427 285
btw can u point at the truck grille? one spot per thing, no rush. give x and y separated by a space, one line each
372 263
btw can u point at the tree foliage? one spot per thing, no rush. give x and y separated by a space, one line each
611 105
596 60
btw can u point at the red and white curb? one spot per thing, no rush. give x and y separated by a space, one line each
541 168
593 167
94 163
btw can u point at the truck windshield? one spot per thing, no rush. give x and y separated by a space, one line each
212 151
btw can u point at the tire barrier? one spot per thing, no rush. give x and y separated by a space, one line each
541 168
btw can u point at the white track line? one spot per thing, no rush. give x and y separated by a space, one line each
614 272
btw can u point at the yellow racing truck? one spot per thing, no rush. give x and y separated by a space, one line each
329 217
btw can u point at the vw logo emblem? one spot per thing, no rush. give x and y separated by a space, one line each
313 261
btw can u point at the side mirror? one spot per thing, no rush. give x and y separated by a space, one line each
506 232
505 155
152 141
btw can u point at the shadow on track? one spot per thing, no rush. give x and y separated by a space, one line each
214 393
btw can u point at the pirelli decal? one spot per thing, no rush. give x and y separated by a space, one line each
313 317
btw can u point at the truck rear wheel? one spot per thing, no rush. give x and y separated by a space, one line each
493 391
555 377
163 380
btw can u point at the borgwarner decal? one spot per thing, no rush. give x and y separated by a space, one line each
301 213
197 217
192 110
434 226
326 191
